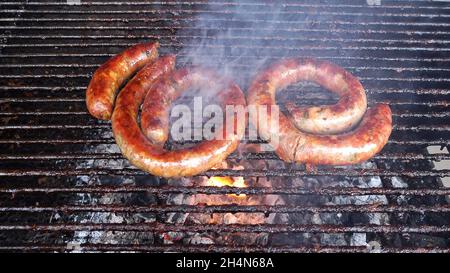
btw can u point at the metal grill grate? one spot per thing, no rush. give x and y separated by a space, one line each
66 187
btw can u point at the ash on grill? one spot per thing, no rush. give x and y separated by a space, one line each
246 218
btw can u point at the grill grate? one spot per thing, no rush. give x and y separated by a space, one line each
66 187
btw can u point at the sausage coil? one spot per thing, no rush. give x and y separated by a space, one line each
109 77
147 152
301 140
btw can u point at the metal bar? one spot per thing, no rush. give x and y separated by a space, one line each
228 172
32 55
370 208
228 37
61 88
72 65
277 47
249 156
111 141
430 115
223 12
440 127
87 75
187 18
228 3
273 228
422 115
80 100
164 190
215 248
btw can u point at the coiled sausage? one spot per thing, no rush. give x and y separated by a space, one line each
148 153
294 143
110 76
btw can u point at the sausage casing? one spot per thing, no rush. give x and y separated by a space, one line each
148 154
325 119
294 143
110 76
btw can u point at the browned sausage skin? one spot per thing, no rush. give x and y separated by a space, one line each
293 145
156 106
148 154
110 76
325 119
353 147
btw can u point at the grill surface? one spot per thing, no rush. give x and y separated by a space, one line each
66 187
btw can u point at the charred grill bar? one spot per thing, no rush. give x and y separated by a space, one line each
66 187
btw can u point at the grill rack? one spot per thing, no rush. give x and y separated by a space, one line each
49 50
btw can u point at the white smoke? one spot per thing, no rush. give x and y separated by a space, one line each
230 38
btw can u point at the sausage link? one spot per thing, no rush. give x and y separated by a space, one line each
325 119
352 147
110 76
156 106
148 153
293 145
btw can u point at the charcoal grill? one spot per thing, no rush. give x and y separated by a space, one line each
65 187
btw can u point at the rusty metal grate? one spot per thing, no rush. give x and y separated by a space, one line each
65 187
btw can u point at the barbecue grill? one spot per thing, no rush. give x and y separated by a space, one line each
65 186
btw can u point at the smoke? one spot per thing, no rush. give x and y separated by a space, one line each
236 39
233 38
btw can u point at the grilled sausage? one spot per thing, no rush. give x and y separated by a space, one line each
326 119
149 154
292 144
109 77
